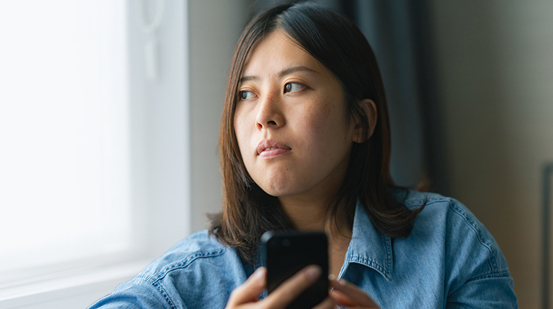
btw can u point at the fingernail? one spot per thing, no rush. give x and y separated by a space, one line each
259 273
313 272
331 277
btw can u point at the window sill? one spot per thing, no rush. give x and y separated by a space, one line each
77 290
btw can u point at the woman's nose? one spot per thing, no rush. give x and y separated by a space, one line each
270 113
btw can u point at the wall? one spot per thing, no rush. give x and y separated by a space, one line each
495 62
214 30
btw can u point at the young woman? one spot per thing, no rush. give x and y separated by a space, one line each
305 144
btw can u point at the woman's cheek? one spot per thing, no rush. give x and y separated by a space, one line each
240 131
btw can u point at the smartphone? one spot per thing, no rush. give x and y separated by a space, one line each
287 252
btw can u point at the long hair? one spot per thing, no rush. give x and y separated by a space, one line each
341 47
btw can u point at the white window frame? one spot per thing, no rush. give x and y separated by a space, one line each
160 151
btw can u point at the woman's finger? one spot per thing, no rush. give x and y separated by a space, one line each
353 294
328 303
293 287
250 290
341 299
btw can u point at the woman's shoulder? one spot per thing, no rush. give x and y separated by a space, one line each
415 199
438 208
449 242
191 252
446 223
443 213
197 272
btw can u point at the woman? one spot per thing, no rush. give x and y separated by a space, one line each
305 144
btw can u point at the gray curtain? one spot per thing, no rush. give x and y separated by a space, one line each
401 38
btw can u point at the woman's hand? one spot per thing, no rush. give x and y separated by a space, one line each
350 296
246 295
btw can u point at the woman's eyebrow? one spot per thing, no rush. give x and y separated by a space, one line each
295 69
281 73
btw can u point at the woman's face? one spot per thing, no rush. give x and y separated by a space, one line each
290 121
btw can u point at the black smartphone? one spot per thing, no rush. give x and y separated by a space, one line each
287 252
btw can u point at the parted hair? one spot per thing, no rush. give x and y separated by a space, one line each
339 45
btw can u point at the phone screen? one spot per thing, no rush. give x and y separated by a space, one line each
287 252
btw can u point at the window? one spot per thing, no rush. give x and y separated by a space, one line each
94 158
64 126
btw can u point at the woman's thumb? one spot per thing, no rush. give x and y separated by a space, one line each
250 290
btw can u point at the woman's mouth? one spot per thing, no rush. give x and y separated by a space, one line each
271 148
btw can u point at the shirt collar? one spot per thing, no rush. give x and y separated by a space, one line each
369 247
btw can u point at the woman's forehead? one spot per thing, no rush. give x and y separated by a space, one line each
276 53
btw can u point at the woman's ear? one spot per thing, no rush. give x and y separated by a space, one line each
370 111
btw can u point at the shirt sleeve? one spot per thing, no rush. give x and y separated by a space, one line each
480 277
138 294
491 291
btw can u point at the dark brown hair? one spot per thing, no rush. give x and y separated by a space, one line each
339 45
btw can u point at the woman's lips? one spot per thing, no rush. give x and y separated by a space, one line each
273 153
270 149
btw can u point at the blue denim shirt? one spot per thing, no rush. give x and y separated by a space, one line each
449 260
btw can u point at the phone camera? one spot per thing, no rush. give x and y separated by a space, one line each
286 242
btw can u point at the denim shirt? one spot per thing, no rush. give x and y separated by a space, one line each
449 260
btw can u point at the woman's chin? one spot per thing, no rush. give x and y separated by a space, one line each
276 192
279 189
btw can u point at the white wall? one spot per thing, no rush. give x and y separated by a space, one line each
214 30
496 71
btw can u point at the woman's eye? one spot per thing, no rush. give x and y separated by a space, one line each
245 95
292 87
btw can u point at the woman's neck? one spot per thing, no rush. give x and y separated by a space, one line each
312 214
306 213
